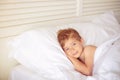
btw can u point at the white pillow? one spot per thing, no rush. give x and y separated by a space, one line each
40 51
91 33
109 23
106 19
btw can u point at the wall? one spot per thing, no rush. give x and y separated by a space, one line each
6 63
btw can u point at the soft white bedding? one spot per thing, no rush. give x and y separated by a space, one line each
45 60
107 60
22 73
106 66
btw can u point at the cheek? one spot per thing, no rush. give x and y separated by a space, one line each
80 46
67 53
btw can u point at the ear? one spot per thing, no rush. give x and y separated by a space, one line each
82 40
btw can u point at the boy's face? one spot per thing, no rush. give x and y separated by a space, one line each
73 47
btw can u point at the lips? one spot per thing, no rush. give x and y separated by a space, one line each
75 53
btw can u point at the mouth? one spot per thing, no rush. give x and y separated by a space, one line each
75 53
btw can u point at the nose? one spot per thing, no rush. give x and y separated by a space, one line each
72 49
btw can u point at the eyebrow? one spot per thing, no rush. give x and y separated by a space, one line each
70 44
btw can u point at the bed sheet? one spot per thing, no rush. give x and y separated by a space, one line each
107 60
106 65
22 73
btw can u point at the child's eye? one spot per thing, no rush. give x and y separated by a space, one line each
74 43
66 49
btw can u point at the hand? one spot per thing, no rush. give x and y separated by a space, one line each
71 58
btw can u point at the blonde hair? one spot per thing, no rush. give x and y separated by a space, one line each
66 34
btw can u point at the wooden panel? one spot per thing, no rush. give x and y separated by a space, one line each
18 13
93 7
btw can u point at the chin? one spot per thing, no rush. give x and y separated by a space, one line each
76 56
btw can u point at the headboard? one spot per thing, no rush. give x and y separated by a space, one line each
17 16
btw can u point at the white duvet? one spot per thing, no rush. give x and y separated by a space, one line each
107 61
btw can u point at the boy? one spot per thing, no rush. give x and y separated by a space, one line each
73 45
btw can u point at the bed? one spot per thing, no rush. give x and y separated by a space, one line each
22 73
41 57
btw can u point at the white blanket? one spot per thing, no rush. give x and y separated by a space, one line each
107 61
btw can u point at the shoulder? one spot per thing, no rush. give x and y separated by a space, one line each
89 49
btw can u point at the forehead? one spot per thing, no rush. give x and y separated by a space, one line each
69 42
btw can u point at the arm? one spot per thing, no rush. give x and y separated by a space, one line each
79 66
86 67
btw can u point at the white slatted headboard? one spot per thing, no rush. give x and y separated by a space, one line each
21 12
93 7
20 15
